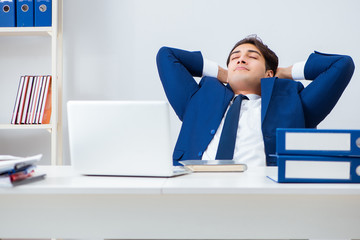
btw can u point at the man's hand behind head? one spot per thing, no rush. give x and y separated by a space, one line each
284 72
222 75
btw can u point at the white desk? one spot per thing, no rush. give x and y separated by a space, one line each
195 206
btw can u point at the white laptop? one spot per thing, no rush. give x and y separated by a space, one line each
122 138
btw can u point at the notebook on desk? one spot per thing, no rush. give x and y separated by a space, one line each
122 138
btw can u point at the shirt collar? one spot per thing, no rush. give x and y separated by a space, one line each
251 96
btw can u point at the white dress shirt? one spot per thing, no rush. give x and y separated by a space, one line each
249 145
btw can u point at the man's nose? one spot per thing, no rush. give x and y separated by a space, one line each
241 60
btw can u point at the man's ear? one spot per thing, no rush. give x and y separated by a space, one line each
269 73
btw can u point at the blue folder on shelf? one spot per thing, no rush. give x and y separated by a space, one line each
317 169
42 13
7 13
24 13
325 142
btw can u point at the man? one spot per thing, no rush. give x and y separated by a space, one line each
270 99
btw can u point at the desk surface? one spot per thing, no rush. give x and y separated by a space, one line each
64 180
195 206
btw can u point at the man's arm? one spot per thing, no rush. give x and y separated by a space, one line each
176 70
330 74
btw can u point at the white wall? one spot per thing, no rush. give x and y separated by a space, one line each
110 45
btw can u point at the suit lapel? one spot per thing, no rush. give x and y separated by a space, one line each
213 120
267 85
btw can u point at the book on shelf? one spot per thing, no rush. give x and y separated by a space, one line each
19 110
33 101
17 101
214 165
45 113
28 95
16 171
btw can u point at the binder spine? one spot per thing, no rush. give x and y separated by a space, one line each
7 13
43 13
319 142
325 169
24 13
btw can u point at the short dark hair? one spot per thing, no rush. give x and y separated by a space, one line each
271 60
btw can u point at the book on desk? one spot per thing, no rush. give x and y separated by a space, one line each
317 156
214 165
16 171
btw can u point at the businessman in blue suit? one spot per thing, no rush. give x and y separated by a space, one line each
270 98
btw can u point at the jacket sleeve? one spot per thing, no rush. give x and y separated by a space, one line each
330 74
176 70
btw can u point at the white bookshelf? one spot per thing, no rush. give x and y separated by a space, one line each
26 31
55 36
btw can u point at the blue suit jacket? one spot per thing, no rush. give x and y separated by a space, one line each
285 103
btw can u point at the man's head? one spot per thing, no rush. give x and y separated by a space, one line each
249 61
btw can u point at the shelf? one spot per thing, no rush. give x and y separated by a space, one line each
54 34
26 126
25 31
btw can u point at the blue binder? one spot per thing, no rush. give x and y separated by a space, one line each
43 12
24 13
325 142
317 169
7 13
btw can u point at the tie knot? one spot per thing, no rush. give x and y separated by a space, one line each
243 97
240 97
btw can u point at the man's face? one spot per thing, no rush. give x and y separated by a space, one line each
246 68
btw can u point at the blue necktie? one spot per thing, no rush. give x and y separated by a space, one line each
228 135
